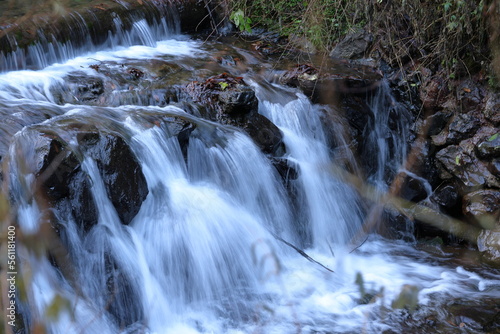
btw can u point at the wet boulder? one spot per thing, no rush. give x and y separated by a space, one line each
483 206
494 167
79 88
489 147
446 197
463 163
460 161
226 95
229 100
489 243
120 171
462 126
413 188
174 125
433 124
66 185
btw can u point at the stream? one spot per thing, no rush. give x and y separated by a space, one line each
208 249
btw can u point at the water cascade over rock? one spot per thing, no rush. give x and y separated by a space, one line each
155 192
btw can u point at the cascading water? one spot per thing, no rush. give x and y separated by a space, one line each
332 210
201 255
387 136
153 24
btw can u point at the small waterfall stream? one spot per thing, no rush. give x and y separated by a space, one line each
331 207
201 255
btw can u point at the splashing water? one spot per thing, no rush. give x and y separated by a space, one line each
201 254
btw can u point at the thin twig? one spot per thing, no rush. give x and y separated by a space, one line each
301 252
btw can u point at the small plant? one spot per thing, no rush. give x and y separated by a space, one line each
223 85
241 21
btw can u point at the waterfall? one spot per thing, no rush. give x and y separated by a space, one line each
204 251
331 207
124 30
387 136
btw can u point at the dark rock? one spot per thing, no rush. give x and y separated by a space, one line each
301 75
122 175
240 102
447 197
398 226
183 136
66 185
422 162
492 108
342 78
469 95
494 167
489 148
264 133
483 206
354 45
440 139
174 126
121 295
434 124
462 126
78 89
195 15
489 243
226 95
463 164
82 202
358 114
412 188
285 169
229 100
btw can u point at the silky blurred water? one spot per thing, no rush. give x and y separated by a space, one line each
202 256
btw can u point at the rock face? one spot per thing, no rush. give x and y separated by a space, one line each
461 132
69 188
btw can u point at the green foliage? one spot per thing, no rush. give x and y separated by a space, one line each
492 138
322 22
444 34
241 21
223 85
